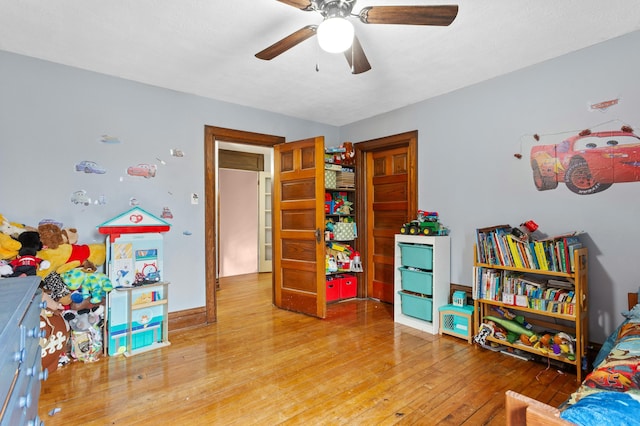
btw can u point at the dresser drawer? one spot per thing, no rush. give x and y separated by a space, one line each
9 360
20 352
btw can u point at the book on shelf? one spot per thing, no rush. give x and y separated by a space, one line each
524 290
496 245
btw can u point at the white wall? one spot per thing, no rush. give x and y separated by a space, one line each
468 172
52 116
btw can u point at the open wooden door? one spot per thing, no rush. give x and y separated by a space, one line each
298 227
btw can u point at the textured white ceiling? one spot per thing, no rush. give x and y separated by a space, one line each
207 47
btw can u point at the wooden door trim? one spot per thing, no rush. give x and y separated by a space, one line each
211 134
409 139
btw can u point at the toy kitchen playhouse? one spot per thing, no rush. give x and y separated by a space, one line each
137 308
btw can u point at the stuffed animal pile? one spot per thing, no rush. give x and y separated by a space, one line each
74 291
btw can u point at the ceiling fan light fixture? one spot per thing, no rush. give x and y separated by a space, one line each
335 35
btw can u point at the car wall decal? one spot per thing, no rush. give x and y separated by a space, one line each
81 198
87 166
143 169
589 162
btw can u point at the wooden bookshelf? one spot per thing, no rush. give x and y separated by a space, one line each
545 321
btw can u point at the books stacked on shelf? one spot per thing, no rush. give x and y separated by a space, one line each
524 290
497 245
331 166
346 179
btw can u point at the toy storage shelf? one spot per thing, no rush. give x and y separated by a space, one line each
426 286
575 324
339 185
138 319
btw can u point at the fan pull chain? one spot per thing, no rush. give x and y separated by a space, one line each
317 57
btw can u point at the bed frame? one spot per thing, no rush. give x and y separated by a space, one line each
523 410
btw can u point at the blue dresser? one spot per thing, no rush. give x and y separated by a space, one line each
20 352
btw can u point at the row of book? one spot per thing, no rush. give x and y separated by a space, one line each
523 290
497 245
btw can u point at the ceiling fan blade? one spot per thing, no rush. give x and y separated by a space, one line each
409 15
287 43
299 4
357 59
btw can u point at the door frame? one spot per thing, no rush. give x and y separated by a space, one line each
211 134
409 139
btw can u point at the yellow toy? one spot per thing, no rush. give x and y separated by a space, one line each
8 247
70 256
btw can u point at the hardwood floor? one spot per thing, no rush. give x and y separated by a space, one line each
261 365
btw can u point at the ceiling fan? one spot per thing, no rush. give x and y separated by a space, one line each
336 12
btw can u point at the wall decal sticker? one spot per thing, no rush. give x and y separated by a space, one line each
143 169
89 167
80 197
603 106
109 139
101 200
166 213
588 162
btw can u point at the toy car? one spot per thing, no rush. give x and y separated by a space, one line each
89 167
427 223
144 170
588 163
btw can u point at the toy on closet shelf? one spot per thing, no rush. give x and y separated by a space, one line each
348 156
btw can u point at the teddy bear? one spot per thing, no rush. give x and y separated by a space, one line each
348 156
69 235
26 263
93 286
70 256
50 235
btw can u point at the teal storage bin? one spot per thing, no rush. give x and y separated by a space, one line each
416 306
456 321
417 281
417 255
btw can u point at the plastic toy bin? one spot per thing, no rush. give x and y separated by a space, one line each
456 321
417 281
417 255
348 287
333 288
416 306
